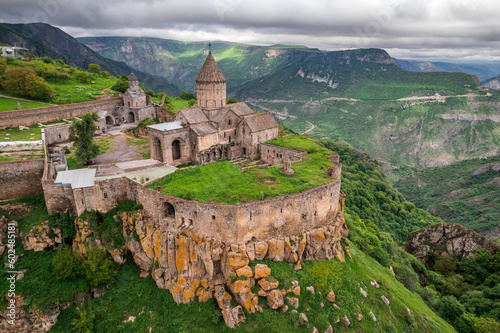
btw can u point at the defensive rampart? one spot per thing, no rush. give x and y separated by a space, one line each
20 178
54 113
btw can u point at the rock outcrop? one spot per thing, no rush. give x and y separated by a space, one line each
451 238
42 236
194 267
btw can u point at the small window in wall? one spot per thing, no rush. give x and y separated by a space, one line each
207 104
215 103
105 195
221 102
128 104
229 139
224 134
190 222
282 210
60 137
213 217
244 151
229 122
250 216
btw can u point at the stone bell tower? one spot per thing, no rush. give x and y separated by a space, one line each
211 85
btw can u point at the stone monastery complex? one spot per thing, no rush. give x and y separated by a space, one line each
194 248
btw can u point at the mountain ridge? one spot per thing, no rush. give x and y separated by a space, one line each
45 40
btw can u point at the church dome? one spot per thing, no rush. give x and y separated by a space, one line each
210 72
132 77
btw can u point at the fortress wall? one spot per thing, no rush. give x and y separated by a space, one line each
147 112
274 155
53 113
103 196
20 178
274 217
58 199
288 215
56 134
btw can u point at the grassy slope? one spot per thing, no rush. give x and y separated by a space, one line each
8 104
223 182
130 295
455 194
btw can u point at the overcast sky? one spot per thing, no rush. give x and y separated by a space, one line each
433 30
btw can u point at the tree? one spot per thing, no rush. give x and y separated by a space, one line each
105 74
121 85
450 308
445 264
94 68
66 265
99 267
3 65
84 324
485 325
15 79
187 96
232 100
82 133
36 87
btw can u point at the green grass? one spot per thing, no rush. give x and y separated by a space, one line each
38 214
76 92
131 295
15 134
225 183
31 155
7 104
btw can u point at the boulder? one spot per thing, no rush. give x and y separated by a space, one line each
331 296
385 300
275 299
347 322
261 271
268 285
293 302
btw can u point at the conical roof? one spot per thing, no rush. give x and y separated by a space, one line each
210 72
132 77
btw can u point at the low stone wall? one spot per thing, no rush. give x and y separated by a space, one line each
274 155
20 178
53 113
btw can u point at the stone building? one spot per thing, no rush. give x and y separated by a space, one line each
211 130
136 106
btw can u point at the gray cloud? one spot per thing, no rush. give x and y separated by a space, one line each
439 29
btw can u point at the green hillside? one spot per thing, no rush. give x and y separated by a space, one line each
466 192
351 96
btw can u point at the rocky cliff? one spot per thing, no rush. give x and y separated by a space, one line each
450 238
194 267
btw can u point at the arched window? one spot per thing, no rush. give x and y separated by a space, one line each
168 210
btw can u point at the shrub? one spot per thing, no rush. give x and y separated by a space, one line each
66 264
99 268
84 324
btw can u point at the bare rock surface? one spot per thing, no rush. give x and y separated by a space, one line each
451 238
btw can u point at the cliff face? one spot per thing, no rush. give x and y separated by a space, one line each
450 238
195 267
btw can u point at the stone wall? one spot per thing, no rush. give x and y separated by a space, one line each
53 113
56 134
274 155
20 178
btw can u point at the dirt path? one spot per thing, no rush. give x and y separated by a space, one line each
105 89
26 100
119 151
310 129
